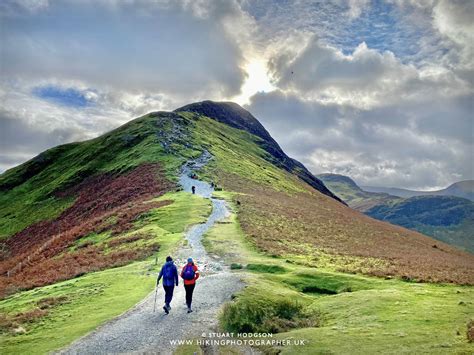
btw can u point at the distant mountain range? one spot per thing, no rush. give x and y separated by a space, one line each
464 189
441 214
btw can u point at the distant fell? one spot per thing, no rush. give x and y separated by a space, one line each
464 189
352 194
336 178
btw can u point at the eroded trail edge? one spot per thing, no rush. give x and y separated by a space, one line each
139 330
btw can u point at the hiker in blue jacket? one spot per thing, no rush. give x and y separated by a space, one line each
169 273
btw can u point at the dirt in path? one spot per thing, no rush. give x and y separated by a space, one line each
140 331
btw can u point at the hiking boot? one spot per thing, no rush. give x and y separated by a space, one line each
166 309
189 310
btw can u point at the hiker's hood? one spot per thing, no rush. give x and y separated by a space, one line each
169 262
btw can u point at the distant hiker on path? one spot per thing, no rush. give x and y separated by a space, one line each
193 189
189 274
169 273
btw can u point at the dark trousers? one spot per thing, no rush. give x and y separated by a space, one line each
168 293
189 294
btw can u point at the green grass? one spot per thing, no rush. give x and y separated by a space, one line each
336 312
92 238
237 152
265 307
265 268
97 297
403 318
188 349
28 190
91 300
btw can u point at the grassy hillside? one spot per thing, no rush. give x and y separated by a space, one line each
285 217
446 218
108 206
30 192
73 192
337 312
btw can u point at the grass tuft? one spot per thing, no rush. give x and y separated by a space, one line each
265 268
470 331
258 311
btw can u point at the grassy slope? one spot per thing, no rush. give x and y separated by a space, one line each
284 216
377 315
28 195
96 297
446 218
237 153
28 190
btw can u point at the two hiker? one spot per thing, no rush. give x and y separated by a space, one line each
169 273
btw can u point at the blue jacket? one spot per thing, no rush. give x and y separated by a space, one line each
168 269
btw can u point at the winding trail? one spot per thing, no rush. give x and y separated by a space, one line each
139 330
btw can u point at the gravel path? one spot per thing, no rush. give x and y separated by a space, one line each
140 331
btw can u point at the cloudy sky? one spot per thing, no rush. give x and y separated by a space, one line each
378 90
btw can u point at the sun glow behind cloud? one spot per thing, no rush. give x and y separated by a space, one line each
257 81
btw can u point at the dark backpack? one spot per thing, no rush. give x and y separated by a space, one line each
189 272
168 272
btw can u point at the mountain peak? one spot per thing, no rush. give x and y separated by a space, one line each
337 178
229 113
236 116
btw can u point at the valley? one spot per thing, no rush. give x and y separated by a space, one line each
445 217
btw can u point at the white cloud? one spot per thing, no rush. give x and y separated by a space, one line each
356 7
454 19
366 78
